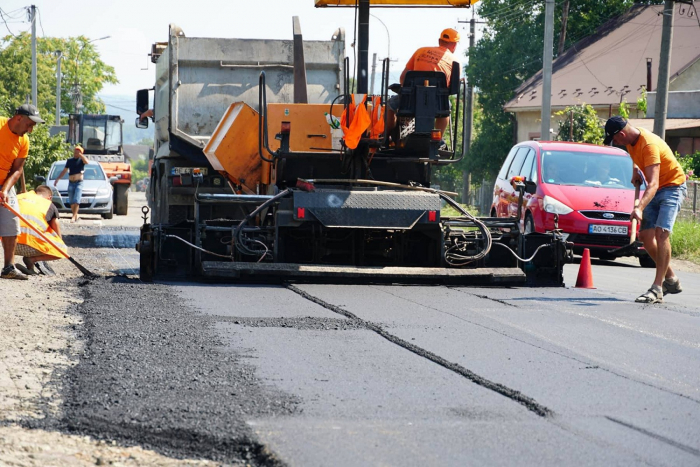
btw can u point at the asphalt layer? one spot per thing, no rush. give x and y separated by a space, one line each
153 374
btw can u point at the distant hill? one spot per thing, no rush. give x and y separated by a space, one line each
125 107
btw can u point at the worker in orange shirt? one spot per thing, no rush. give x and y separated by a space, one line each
438 58
661 202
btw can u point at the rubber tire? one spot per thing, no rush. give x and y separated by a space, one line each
646 262
529 224
110 214
121 199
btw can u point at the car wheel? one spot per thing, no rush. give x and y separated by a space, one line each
110 214
121 199
529 224
646 262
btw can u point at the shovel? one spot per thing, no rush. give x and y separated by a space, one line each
634 244
82 268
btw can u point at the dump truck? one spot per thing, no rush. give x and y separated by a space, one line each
101 138
253 181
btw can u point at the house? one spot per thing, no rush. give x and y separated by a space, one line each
616 64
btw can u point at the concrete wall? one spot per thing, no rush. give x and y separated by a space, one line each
529 122
681 104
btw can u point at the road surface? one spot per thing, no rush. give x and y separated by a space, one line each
348 375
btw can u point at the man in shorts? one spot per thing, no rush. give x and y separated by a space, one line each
14 147
75 166
661 202
36 208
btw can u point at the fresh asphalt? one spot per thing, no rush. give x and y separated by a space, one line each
387 375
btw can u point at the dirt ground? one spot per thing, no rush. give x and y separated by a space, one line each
38 341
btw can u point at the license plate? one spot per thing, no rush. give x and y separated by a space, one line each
607 229
85 201
188 170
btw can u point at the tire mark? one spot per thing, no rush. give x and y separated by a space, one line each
529 403
663 439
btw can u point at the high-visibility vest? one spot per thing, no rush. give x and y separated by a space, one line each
34 208
355 120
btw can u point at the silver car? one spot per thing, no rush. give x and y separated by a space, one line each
97 190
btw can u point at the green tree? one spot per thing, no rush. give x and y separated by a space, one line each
509 52
586 126
81 64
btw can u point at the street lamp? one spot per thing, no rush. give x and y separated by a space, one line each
59 57
77 95
388 51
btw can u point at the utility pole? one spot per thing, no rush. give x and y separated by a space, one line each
547 70
32 19
664 70
562 33
374 70
468 118
59 56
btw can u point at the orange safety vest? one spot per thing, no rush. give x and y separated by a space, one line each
360 120
33 208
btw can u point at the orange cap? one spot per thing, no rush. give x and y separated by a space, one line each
79 148
449 35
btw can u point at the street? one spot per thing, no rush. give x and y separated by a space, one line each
346 375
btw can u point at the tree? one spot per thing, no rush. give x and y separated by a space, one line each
581 125
509 52
81 64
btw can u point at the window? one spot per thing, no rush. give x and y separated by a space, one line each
506 163
528 165
517 164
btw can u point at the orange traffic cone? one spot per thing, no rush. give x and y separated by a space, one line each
585 274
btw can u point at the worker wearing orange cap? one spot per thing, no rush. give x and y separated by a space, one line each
438 58
75 167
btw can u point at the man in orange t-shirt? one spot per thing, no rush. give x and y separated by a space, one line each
438 58
661 202
14 147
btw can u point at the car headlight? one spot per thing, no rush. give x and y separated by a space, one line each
555 206
103 192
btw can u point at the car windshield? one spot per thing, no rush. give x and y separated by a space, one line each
586 169
92 172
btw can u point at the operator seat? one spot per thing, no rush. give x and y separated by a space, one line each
426 103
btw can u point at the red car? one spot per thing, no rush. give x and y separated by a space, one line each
588 186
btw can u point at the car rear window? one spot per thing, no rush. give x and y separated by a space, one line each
586 169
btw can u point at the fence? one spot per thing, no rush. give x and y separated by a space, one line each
481 197
691 204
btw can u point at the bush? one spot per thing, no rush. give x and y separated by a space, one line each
685 240
43 151
690 164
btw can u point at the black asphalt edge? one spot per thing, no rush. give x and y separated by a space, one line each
175 442
663 439
529 403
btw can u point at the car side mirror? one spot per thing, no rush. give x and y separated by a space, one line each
142 123
530 187
113 179
39 178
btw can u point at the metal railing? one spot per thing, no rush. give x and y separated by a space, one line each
691 204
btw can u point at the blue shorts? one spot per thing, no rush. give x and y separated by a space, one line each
75 191
663 208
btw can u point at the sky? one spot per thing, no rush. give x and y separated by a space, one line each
134 25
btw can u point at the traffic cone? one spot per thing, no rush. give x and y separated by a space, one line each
585 274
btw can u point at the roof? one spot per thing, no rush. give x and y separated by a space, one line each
671 123
611 64
419 3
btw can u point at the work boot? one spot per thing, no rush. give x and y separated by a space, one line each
10 272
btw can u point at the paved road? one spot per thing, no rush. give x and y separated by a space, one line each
405 375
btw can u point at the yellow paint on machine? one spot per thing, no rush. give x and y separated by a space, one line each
233 147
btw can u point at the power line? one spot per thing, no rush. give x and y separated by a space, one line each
2 15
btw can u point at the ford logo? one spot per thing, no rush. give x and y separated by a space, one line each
608 215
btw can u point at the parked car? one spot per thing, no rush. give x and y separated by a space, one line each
588 186
97 190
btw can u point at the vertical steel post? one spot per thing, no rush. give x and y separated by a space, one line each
547 70
362 46
664 70
468 117
32 13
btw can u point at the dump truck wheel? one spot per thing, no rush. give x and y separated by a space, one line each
121 199
646 262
